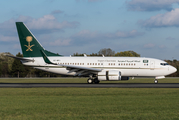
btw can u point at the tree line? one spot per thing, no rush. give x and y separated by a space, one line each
109 52
10 67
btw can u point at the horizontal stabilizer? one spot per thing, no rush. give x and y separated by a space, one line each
20 58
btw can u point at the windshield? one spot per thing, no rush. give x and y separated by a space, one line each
164 64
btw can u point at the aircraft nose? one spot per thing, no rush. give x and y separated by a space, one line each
173 69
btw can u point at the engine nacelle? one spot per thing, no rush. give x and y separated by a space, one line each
111 75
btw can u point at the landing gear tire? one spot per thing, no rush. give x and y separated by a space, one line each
96 81
90 81
155 81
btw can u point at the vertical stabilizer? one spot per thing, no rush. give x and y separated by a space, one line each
29 44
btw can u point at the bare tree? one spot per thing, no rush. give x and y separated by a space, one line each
106 52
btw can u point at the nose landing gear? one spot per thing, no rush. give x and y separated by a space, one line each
155 81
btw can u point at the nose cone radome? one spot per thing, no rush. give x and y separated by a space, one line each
173 69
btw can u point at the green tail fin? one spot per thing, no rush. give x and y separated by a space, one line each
29 44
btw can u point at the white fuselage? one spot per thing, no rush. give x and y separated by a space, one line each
128 66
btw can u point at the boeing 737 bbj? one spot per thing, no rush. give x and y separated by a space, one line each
96 68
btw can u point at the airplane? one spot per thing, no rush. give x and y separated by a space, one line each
98 69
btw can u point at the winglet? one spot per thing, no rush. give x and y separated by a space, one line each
46 58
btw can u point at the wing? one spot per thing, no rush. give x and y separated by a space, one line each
80 71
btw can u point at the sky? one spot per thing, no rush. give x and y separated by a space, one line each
148 27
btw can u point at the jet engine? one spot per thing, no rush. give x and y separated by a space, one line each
111 75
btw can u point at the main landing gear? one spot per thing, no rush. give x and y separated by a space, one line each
91 81
155 81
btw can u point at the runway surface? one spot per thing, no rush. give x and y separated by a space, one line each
85 85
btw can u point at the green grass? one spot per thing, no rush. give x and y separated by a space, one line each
89 103
82 80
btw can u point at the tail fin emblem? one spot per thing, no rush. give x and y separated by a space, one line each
29 39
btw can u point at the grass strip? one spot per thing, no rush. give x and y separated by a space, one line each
89 103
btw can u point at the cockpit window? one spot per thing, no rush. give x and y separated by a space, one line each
164 64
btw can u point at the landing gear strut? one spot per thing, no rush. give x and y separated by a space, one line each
155 81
